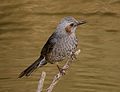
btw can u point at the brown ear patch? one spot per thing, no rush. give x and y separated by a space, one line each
68 29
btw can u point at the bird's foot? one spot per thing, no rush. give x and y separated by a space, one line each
73 56
62 71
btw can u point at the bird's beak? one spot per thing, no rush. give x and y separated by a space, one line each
81 22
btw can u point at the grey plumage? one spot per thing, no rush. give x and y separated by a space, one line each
60 45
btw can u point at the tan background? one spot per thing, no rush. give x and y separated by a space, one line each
25 25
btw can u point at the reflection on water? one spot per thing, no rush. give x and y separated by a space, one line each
25 26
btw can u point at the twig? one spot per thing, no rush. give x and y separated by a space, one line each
56 77
59 75
41 81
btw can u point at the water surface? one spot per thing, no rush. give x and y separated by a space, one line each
25 26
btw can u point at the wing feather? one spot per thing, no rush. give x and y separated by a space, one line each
48 47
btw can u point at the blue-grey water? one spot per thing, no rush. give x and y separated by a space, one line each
25 26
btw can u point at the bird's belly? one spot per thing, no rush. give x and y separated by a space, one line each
62 50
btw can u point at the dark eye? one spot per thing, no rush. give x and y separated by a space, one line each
72 25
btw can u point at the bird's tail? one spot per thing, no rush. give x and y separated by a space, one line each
38 63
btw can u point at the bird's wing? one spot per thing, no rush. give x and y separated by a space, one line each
49 44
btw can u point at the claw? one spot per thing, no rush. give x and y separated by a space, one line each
73 56
61 70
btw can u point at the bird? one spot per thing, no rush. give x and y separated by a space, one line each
60 45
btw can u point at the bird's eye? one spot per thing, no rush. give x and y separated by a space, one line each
72 25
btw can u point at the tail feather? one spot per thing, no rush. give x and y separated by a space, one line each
38 63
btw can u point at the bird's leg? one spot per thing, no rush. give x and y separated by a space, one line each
61 70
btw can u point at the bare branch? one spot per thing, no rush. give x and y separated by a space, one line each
41 81
56 77
59 75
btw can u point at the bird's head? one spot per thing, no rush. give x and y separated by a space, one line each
68 25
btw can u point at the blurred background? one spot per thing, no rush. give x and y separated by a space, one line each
25 26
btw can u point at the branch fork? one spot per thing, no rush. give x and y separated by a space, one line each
56 77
